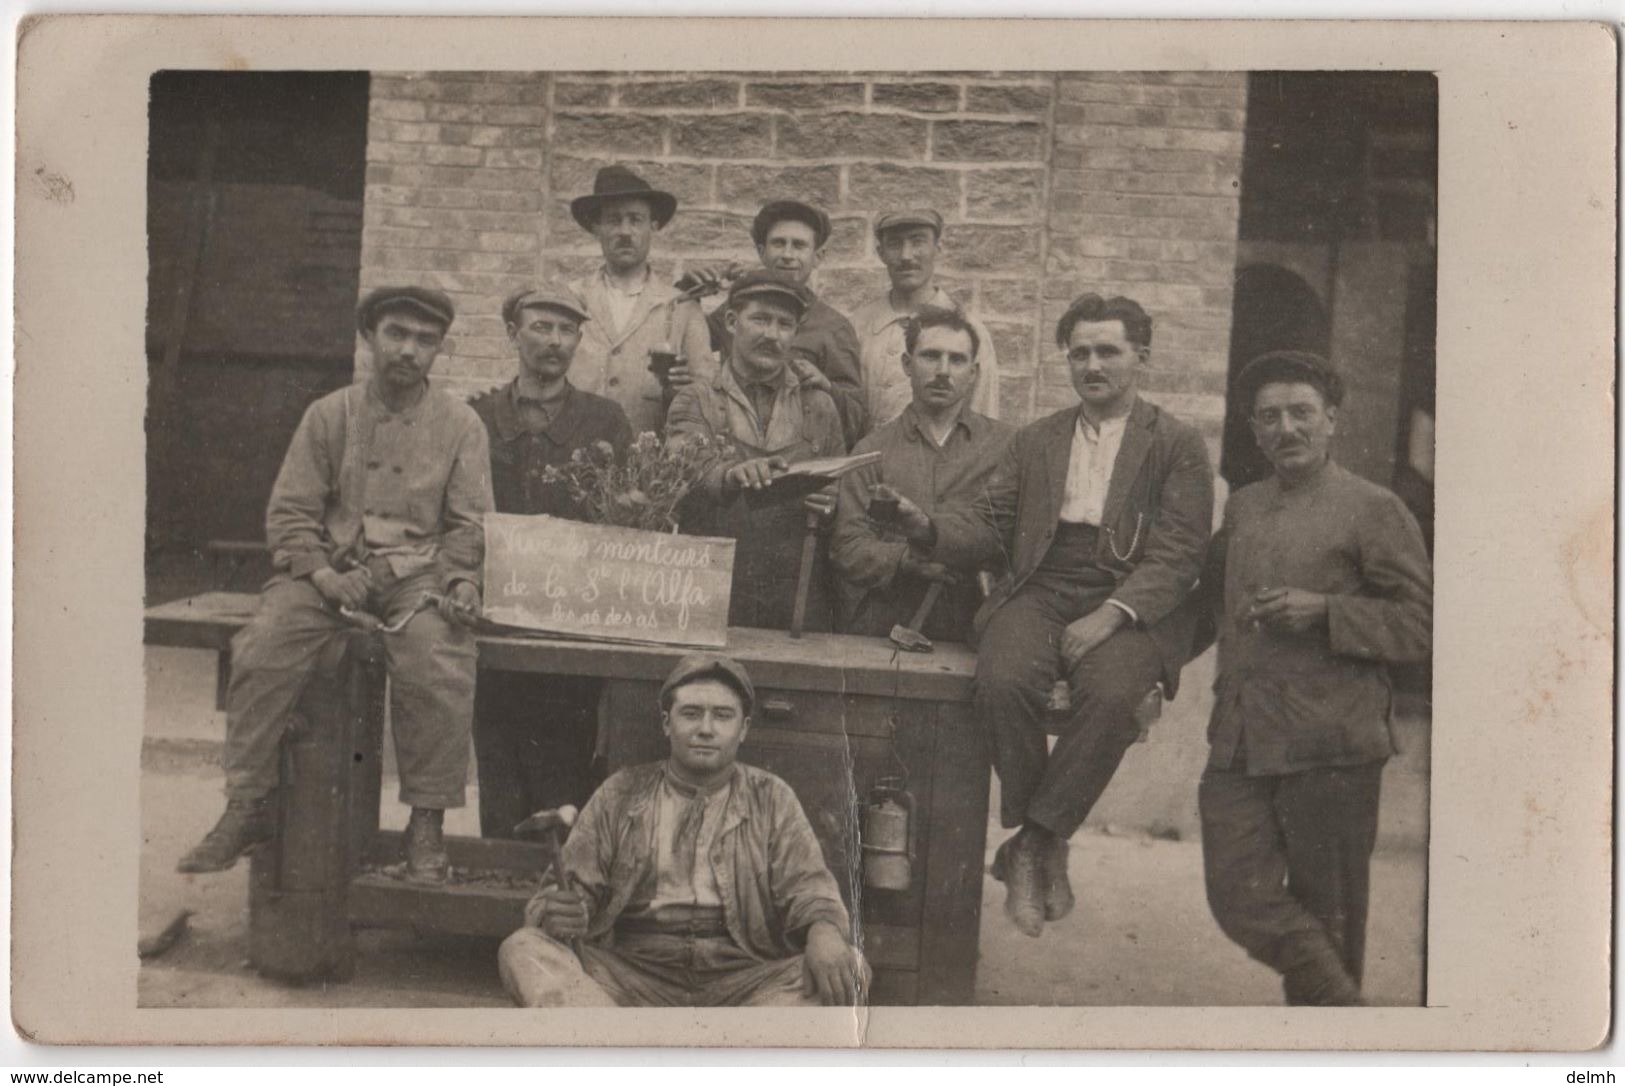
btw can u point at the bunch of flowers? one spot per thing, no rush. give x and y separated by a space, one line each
644 488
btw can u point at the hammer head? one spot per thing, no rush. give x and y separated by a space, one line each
551 818
910 640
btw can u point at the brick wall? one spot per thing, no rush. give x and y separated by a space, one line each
1144 201
1049 185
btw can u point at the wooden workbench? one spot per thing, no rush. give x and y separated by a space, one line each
835 714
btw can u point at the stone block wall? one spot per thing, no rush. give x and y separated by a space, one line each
1050 184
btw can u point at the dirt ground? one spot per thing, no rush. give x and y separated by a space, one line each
1140 936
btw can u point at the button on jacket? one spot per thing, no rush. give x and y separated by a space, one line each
613 360
1287 702
520 456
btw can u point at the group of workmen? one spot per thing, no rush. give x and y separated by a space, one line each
1078 549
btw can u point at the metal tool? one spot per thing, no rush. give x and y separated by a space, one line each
370 622
548 822
909 638
809 547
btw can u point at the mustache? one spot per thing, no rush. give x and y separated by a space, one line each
945 386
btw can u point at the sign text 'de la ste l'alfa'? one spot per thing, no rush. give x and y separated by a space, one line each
590 580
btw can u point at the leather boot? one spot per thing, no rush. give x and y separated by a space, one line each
426 858
1024 884
245 825
1058 899
1321 982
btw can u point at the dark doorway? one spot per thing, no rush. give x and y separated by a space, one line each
254 205
1275 310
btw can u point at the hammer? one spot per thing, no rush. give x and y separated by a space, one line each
909 638
549 821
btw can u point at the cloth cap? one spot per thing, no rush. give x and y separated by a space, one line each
766 282
779 210
617 182
701 665
1295 367
917 216
430 303
556 295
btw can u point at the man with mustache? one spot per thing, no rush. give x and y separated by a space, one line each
938 453
1322 580
631 311
534 734
380 500
1105 509
909 243
790 237
693 882
758 402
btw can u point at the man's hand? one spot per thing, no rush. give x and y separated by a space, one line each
343 589
821 502
911 521
1288 610
809 375
919 567
1089 632
755 474
564 913
833 971
461 604
680 375
710 278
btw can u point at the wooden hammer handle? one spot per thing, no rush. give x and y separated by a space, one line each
924 611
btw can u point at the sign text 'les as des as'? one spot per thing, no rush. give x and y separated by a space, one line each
591 580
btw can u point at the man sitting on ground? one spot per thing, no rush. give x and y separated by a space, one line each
693 882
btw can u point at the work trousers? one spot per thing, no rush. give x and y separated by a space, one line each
1017 663
646 970
533 737
1288 866
431 685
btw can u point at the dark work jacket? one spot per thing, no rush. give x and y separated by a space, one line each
518 457
1154 529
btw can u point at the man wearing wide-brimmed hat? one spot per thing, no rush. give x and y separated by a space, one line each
631 311
534 733
380 503
909 242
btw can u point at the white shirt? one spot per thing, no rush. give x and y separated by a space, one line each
669 889
1094 452
622 302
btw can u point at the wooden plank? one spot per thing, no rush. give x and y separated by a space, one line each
890 947
471 853
832 663
382 902
953 860
894 988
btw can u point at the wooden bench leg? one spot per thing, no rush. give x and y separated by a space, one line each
299 924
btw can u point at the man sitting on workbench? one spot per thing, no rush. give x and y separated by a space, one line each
377 510
937 453
759 403
693 882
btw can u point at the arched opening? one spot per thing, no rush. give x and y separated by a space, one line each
1275 310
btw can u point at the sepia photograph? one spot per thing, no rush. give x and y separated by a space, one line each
554 532
1040 331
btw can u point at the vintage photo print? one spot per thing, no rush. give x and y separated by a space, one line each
986 543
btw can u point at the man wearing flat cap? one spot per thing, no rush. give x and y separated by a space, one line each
1320 580
631 311
758 402
908 242
693 882
790 237
380 501
534 733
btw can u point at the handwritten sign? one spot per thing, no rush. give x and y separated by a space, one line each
619 584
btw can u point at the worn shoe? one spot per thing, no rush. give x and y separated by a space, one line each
1058 899
1321 984
426 858
245 825
1023 875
